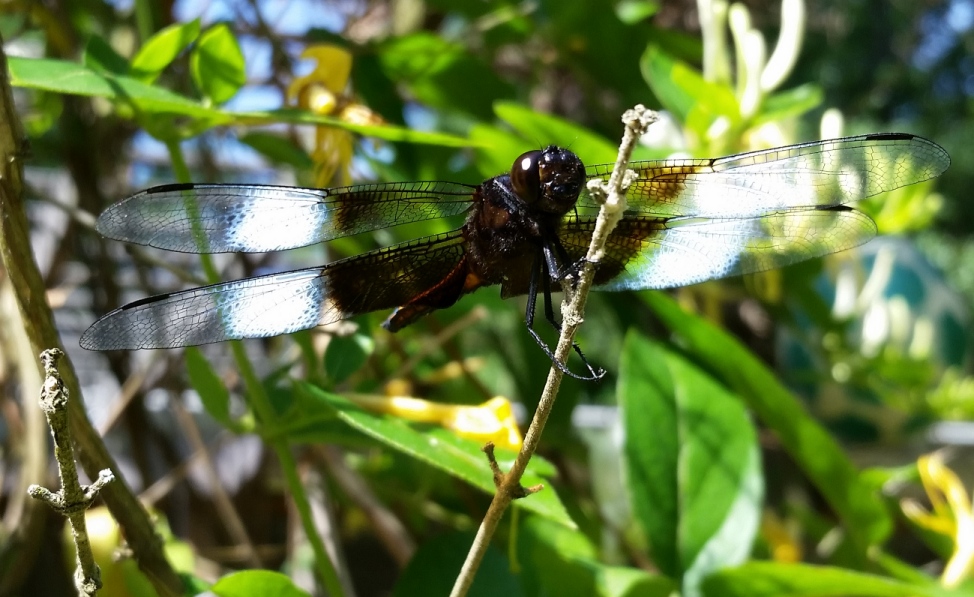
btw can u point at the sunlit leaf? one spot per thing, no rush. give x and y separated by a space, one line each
217 64
813 449
442 449
692 461
254 583
683 91
767 579
162 48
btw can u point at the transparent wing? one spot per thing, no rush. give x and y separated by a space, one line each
821 173
645 253
278 304
222 218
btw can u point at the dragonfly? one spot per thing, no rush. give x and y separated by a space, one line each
687 221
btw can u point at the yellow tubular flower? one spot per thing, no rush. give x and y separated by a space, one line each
325 91
952 515
493 420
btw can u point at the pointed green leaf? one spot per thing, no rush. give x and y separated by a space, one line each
215 396
162 48
771 579
217 64
442 449
692 461
855 501
99 56
61 76
346 354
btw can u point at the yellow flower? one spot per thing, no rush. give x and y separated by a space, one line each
952 515
493 420
325 91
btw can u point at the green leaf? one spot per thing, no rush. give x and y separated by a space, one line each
555 560
61 76
71 78
437 562
439 73
256 583
790 103
346 355
442 449
695 102
217 64
634 11
547 129
383 131
692 463
101 57
162 48
215 396
770 579
853 499
278 149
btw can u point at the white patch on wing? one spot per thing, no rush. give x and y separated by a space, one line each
284 218
293 301
692 251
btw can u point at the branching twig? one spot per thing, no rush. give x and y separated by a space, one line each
73 499
18 262
509 486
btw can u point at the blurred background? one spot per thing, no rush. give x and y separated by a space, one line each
873 343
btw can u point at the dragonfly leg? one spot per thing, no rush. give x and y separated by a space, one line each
536 276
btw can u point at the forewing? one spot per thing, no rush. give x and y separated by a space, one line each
822 173
279 303
644 253
222 218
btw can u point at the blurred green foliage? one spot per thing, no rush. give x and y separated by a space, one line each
715 443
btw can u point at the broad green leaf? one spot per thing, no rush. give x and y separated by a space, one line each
256 583
695 102
437 562
854 500
101 57
162 48
555 560
215 396
217 64
771 579
346 355
692 463
442 449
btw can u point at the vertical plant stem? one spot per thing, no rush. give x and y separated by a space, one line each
17 260
260 403
509 488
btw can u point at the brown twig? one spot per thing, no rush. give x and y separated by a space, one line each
17 259
509 486
74 498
